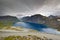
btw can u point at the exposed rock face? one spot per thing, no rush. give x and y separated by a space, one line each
34 18
51 21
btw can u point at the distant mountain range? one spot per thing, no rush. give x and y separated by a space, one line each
51 21
7 21
9 18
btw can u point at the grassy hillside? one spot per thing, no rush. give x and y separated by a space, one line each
6 21
7 24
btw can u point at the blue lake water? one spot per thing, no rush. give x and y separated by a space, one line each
39 27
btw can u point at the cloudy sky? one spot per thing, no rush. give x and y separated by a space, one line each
29 7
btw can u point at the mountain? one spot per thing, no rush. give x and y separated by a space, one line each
34 18
54 21
51 21
7 21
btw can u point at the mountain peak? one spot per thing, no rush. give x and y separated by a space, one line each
37 15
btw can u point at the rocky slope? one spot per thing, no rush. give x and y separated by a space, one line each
25 35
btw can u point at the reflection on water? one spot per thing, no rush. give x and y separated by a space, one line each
39 27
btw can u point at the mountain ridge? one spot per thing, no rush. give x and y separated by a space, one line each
50 21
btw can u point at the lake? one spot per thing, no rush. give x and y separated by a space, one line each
38 27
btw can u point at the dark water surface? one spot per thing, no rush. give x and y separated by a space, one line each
31 25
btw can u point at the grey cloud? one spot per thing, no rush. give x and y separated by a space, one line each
29 7
19 5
